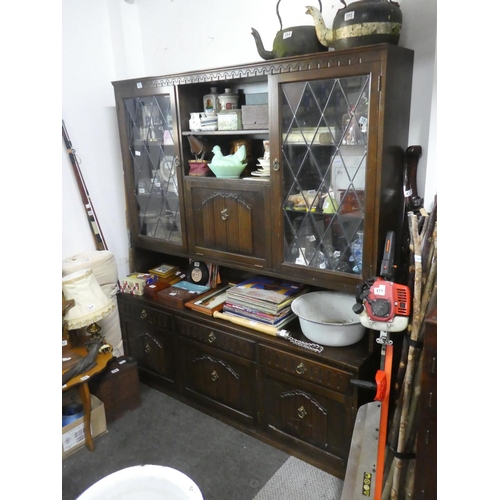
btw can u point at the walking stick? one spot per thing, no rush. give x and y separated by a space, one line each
99 241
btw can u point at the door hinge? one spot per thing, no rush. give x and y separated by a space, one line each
379 83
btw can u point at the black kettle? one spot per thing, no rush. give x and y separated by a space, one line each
295 41
360 23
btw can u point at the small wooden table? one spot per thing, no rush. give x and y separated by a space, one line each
81 381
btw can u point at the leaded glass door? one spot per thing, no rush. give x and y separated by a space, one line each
154 162
324 127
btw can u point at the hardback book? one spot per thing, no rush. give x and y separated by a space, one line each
247 311
281 323
266 289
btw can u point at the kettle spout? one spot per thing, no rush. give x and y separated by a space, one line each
265 54
325 36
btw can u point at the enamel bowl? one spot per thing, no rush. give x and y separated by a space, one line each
327 318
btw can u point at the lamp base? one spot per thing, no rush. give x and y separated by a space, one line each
93 330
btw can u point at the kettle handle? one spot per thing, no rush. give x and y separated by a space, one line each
278 12
345 5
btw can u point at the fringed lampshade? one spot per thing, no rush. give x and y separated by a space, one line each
91 303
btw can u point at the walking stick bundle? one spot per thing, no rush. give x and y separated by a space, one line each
398 483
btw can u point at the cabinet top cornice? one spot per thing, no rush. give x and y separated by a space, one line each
320 60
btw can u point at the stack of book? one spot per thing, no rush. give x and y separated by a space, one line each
263 299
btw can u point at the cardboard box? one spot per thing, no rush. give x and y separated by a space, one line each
73 434
229 119
258 98
134 284
255 116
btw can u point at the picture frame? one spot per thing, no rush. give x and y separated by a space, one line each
210 301
164 270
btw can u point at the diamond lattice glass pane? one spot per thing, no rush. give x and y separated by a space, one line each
151 148
324 142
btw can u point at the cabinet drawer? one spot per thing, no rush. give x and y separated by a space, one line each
310 371
218 339
152 348
147 314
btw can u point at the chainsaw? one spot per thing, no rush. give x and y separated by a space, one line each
383 306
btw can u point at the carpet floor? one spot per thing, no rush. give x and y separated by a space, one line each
225 463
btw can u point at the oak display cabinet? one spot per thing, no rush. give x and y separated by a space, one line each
338 129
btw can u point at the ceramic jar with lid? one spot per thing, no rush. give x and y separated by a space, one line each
211 103
228 100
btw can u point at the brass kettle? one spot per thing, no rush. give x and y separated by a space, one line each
364 22
295 41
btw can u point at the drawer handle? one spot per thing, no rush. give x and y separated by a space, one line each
144 314
276 165
214 376
147 348
301 369
211 337
224 214
302 412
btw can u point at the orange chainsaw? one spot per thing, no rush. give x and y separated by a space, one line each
383 306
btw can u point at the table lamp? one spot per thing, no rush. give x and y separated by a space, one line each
91 303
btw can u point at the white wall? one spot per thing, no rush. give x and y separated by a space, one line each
112 40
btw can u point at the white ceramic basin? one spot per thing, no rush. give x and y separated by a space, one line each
144 482
327 318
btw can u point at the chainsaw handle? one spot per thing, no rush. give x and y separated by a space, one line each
380 385
364 384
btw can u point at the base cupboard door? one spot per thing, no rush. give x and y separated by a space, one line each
307 416
222 381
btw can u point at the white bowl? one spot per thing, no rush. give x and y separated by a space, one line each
263 162
142 482
327 318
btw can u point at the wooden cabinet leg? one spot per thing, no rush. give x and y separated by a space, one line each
85 397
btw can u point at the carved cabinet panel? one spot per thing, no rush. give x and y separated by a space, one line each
227 222
220 381
152 348
146 338
306 413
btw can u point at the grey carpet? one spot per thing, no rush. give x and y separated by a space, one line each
297 480
225 463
